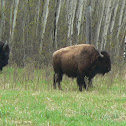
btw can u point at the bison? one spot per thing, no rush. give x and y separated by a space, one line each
79 61
4 54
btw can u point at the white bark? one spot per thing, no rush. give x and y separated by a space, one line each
106 25
120 26
124 18
88 25
79 15
99 23
14 19
113 20
121 17
58 11
2 21
114 16
71 16
44 21
11 13
58 7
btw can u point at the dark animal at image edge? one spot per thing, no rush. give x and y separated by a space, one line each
80 61
4 54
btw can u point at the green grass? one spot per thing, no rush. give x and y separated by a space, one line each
28 99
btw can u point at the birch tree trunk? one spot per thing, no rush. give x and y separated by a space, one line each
24 47
13 17
88 25
124 18
114 16
106 25
79 15
44 22
24 33
101 12
121 17
16 3
113 20
71 15
57 13
2 20
119 26
11 21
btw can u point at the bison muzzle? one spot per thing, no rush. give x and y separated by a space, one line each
80 61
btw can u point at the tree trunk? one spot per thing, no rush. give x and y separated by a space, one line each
2 20
56 19
14 19
106 25
113 20
79 15
114 16
44 22
88 25
119 25
71 16
37 16
97 33
121 17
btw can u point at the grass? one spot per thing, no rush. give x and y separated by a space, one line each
28 99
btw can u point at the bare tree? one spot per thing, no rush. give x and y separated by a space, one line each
106 25
44 22
56 19
2 20
71 16
97 33
88 24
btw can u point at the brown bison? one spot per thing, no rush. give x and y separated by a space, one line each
79 61
4 54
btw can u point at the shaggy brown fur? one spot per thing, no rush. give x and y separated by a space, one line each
78 61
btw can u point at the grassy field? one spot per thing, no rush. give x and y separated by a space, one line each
28 99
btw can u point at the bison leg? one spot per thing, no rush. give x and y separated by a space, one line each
90 82
84 84
81 82
54 81
57 78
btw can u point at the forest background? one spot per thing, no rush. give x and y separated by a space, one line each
36 28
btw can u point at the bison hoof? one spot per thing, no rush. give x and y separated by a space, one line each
80 89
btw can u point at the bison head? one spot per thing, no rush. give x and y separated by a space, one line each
4 54
103 64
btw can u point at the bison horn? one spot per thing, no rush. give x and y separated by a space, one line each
101 55
5 45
